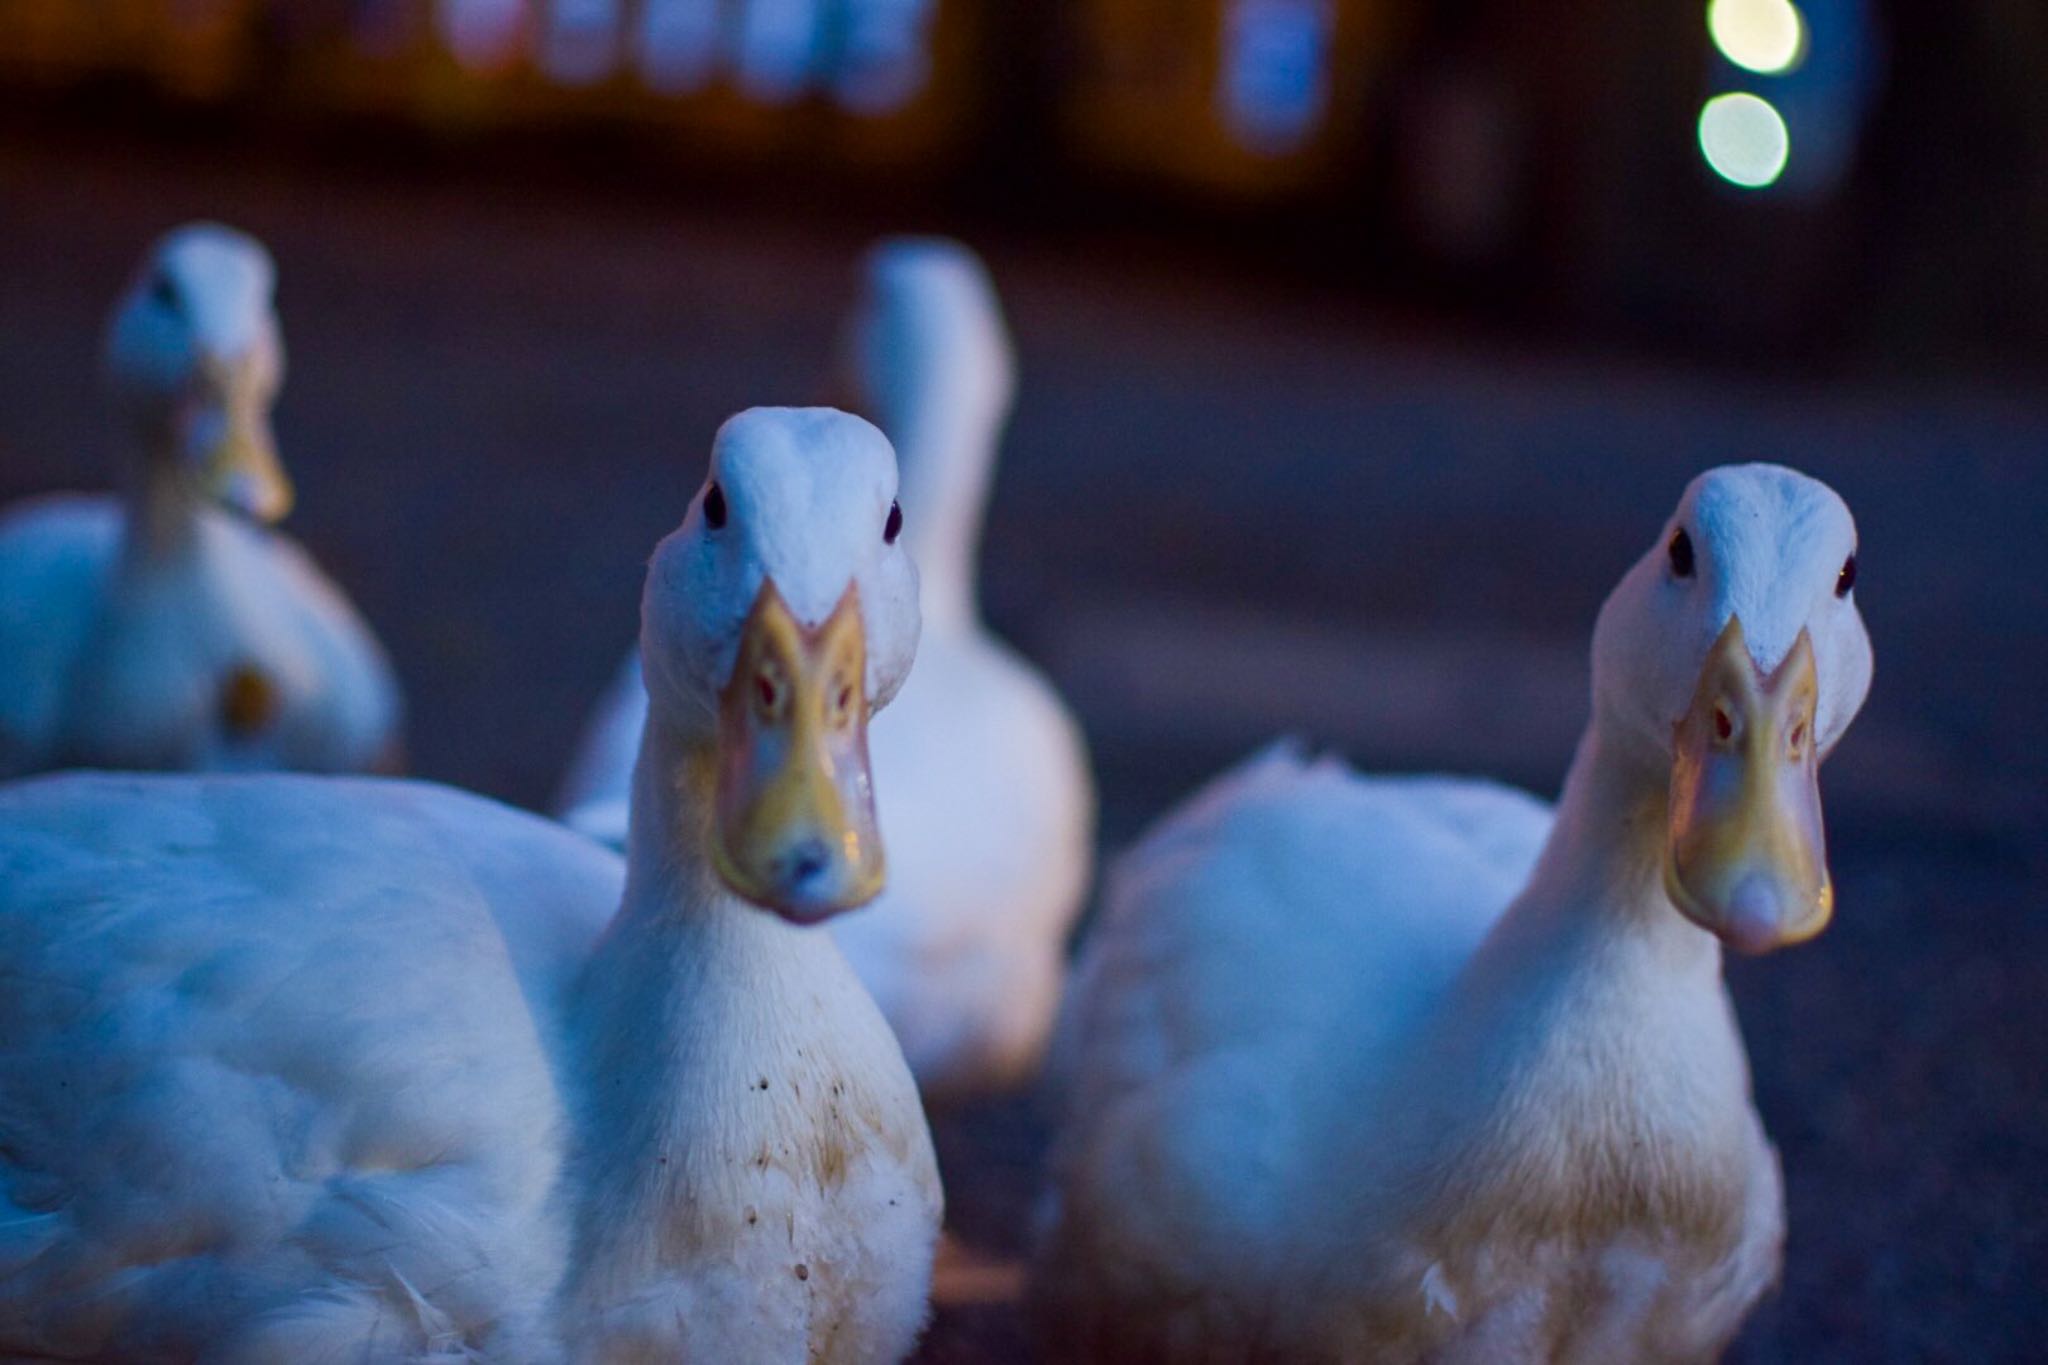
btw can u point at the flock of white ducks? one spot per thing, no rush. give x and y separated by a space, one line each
315 1068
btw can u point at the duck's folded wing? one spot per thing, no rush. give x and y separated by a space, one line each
354 720
269 1079
1283 894
55 553
1286 900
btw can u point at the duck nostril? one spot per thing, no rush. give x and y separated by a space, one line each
806 861
1724 724
768 695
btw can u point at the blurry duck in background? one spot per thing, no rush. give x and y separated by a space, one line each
983 778
168 628
1402 1070
314 1069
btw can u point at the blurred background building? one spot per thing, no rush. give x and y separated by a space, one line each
1768 178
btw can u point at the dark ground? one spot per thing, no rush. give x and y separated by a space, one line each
1226 510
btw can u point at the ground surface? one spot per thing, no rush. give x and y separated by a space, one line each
1225 511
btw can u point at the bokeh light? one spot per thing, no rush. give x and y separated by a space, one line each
1765 36
1744 139
483 35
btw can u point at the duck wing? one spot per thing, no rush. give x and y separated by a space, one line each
275 1080
1289 900
55 555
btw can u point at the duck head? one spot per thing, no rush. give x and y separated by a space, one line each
777 618
193 359
927 331
1733 656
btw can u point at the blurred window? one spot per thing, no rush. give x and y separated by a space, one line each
1274 82
678 44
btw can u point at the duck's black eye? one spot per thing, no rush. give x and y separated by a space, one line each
714 507
1681 553
893 527
163 293
1846 579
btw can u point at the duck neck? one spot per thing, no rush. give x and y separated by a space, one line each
668 869
1582 1075
946 451
675 904
717 1054
1592 979
1601 873
164 504
691 1002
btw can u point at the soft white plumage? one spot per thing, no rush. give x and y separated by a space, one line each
156 630
986 800
1397 1070
299 1069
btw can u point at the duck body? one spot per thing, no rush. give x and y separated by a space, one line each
1542 1161
1238 964
291 1093
229 651
1613 1197
308 1068
812 1207
1366 1069
1558 1158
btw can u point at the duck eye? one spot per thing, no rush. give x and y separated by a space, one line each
1846 579
714 507
894 526
163 293
1681 553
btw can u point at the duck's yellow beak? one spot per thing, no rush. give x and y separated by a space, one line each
795 827
1747 857
230 442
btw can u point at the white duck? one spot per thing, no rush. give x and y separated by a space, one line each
1372 1069
317 1069
986 798
157 630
